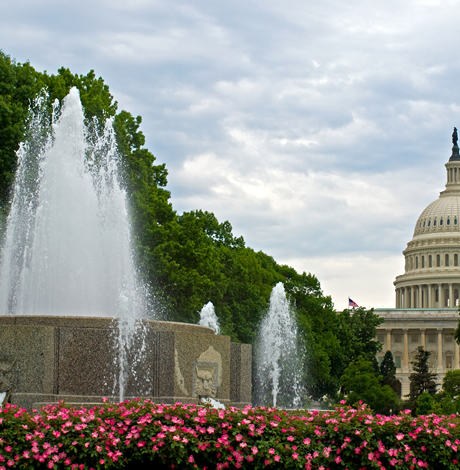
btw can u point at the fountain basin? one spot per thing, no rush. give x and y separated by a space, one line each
45 359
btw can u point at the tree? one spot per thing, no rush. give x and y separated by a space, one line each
425 403
451 383
360 382
19 84
388 373
421 380
358 331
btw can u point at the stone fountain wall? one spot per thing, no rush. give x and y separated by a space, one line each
44 359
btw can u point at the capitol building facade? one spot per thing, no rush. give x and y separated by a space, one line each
427 294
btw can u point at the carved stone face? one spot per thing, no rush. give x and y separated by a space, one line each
205 380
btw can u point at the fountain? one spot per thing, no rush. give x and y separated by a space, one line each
279 356
209 318
75 323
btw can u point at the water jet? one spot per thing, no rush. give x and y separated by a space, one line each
75 323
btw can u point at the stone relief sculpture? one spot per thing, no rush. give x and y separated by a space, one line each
6 387
211 355
205 379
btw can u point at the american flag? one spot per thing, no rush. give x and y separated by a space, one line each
351 303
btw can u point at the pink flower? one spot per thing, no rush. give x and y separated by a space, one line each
277 458
102 462
191 459
399 436
255 450
290 438
271 451
307 441
295 456
338 459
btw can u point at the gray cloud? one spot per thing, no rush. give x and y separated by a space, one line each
319 129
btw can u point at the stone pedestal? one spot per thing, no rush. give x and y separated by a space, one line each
77 359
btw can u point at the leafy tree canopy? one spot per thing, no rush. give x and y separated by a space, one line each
361 383
191 258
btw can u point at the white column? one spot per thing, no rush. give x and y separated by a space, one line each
451 296
422 339
419 297
406 349
388 339
439 349
428 296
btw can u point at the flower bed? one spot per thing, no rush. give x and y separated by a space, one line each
145 434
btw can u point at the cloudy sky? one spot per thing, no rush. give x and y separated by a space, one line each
318 129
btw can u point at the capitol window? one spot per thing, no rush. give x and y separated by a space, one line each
448 221
434 223
455 260
430 261
446 259
441 222
438 260
416 262
429 223
398 362
423 261
448 361
455 221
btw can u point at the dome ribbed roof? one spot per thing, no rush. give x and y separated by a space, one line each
441 215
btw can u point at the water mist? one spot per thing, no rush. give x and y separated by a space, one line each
67 249
279 356
209 318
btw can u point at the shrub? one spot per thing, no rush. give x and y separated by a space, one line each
143 434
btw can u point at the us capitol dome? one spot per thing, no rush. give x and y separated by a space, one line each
427 294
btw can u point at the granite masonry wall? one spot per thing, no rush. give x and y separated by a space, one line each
44 359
